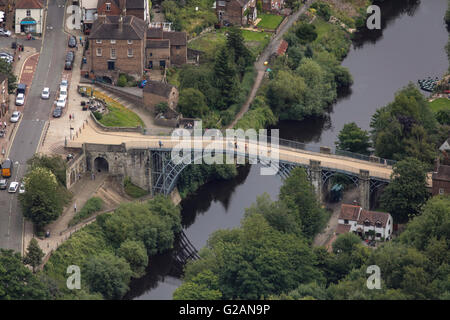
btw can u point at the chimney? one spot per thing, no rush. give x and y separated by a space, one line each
120 23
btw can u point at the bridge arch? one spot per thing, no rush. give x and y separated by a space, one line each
101 165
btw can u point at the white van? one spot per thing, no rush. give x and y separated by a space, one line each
63 92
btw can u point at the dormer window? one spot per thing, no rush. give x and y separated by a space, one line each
378 224
108 6
367 223
98 41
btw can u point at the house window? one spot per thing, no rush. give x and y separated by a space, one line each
113 41
378 235
113 53
345 221
130 41
99 52
367 223
177 47
151 54
28 13
98 41
130 52
108 6
441 191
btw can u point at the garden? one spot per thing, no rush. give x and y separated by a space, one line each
269 21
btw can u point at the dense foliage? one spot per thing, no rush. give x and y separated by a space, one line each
352 138
116 247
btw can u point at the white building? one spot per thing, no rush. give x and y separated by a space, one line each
363 222
29 15
88 13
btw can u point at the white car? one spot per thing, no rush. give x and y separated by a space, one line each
61 102
13 187
63 92
64 83
45 93
22 188
20 99
15 116
5 33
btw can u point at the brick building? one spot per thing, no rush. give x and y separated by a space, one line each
272 5
441 172
136 8
177 42
156 92
117 45
236 12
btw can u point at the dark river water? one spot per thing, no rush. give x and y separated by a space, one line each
409 47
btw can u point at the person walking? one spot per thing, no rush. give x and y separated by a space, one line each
70 117
160 143
75 207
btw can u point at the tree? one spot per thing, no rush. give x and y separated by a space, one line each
43 202
56 164
161 107
241 55
225 79
34 255
345 243
6 68
192 103
352 138
108 275
306 32
407 191
204 286
16 281
298 195
135 254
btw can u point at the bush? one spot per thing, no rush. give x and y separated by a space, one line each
161 107
91 206
97 115
122 82
133 190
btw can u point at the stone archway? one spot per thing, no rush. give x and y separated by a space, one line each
101 165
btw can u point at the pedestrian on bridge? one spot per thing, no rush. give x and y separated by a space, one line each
75 207
160 143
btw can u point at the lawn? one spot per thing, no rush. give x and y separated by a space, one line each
255 41
322 28
118 115
269 21
440 104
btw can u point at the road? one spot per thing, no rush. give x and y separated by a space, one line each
268 51
36 112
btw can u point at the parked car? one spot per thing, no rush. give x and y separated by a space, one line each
13 187
64 83
45 93
72 42
7 55
63 92
61 102
5 33
7 59
21 88
69 60
20 99
15 116
57 112
22 188
3 184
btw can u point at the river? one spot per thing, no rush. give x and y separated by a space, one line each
409 47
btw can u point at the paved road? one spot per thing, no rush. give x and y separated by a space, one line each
36 112
259 64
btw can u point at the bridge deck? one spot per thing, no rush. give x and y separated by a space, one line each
92 134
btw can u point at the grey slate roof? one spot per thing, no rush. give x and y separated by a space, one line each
157 44
108 28
177 38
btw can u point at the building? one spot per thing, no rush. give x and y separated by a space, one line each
117 45
29 15
136 8
4 96
157 48
155 92
88 14
236 12
441 173
272 5
353 218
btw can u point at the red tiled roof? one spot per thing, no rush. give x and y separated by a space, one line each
373 217
349 212
342 228
282 48
29 4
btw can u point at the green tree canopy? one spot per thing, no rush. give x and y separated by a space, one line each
406 193
192 103
352 138
135 253
34 254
